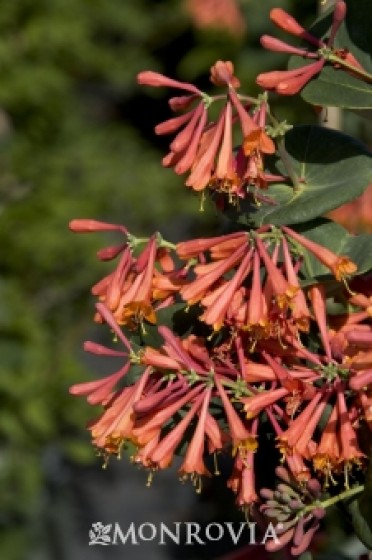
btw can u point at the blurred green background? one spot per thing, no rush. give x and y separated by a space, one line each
76 140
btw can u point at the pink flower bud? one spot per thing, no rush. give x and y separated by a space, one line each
171 125
189 154
181 102
339 15
283 473
154 79
222 74
109 253
295 84
314 487
184 137
87 226
100 350
285 21
276 45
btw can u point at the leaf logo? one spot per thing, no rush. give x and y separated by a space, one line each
99 534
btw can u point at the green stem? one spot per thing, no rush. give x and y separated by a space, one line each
362 73
331 501
253 100
161 242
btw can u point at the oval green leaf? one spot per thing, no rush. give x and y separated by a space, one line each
326 162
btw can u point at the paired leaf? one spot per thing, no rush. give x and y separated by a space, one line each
333 167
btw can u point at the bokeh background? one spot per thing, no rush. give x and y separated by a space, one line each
76 140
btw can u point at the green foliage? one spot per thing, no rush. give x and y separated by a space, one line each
336 87
324 162
360 509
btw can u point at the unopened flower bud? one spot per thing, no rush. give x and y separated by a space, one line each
282 473
267 494
273 512
339 15
296 505
286 489
318 512
109 253
314 487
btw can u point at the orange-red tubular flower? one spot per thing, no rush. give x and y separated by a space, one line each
146 427
299 308
193 463
225 165
247 494
162 455
318 301
215 314
116 423
216 437
193 247
362 379
349 448
291 86
239 434
289 438
204 162
255 404
327 454
183 139
197 289
98 391
283 291
340 265
185 159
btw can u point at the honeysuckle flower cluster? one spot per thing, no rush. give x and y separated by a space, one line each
204 148
246 359
290 82
226 340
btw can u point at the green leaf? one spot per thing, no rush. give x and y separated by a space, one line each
360 508
306 556
365 500
336 238
334 86
326 161
133 374
362 524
